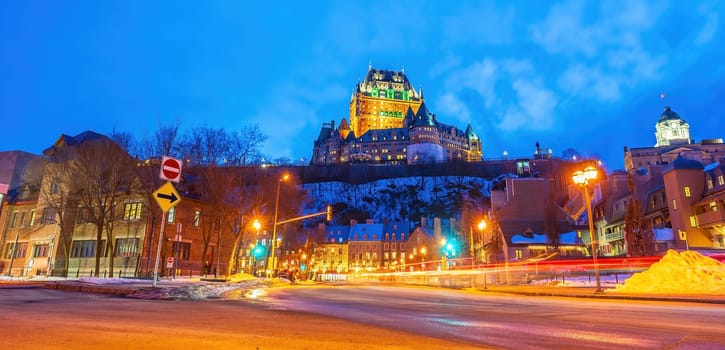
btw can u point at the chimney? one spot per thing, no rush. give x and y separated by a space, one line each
353 222
422 221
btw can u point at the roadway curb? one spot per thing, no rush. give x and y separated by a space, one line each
77 287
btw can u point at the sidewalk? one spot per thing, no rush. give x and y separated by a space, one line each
166 288
590 292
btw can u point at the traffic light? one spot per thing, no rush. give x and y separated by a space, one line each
329 212
258 251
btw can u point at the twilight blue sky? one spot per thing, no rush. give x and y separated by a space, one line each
585 75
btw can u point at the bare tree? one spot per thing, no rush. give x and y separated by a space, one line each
58 203
98 172
637 229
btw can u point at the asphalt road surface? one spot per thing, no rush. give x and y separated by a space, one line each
517 322
36 318
353 317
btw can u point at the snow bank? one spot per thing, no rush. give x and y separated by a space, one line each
679 273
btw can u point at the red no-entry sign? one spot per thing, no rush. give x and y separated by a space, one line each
170 169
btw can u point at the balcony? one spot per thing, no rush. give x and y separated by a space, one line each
711 218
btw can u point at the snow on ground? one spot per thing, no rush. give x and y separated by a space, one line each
606 281
679 273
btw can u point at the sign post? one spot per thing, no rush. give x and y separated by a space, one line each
166 197
170 169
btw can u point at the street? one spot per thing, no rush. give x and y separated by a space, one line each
353 316
517 322
36 318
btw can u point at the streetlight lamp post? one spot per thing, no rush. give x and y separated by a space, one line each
253 265
583 178
481 226
271 259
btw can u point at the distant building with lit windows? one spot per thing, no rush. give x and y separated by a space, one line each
673 140
390 123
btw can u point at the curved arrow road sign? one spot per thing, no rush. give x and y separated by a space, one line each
166 196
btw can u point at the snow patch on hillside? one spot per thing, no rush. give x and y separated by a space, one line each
398 198
679 273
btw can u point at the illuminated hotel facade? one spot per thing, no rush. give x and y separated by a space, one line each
389 122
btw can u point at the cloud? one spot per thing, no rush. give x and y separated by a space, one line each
584 81
452 107
532 109
479 76
708 30
479 24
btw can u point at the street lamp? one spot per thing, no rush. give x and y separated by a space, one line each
583 178
481 226
271 260
253 269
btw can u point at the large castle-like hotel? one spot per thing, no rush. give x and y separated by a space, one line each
390 123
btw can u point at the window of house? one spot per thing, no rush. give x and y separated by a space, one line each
54 188
713 206
49 216
22 219
170 215
32 218
674 204
693 221
519 254
14 220
85 248
182 250
19 250
126 247
687 192
720 180
84 216
132 211
709 184
40 250
197 217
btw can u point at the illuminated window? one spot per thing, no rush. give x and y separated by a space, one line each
14 220
720 180
32 217
713 206
709 184
132 211
171 215
519 254
674 204
197 217
693 221
687 192
127 247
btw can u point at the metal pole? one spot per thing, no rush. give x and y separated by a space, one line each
218 247
473 251
158 249
590 217
270 263
178 248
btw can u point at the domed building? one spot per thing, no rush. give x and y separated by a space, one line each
390 123
671 129
672 134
